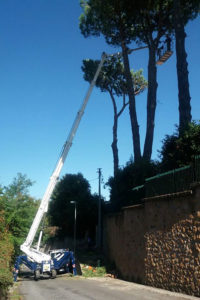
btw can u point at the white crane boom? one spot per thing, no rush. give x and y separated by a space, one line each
34 254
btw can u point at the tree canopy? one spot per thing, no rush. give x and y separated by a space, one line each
179 150
122 22
109 18
128 177
73 187
112 80
19 208
112 76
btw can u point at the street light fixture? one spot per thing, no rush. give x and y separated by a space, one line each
74 202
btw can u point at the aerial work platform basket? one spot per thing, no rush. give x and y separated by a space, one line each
164 57
165 52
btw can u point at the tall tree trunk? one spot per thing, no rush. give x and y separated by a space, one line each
132 106
114 146
151 102
114 142
182 68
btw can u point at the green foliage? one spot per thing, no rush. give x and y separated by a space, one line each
19 186
6 278
155 18
150 20
126 21
6 252
180 150
88 271
189 9
112 80
19 208
73 187
132 175
107 18
112 76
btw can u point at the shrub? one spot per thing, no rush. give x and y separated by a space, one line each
6 252
132 175
180 150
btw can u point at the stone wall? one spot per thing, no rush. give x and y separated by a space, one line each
158 243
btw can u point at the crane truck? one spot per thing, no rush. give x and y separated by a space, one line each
38 262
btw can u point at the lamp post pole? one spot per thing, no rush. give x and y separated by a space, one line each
99 241
74 202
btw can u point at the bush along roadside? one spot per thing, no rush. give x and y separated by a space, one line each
90 271
6 253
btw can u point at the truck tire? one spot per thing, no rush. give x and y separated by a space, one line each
37 275
53 274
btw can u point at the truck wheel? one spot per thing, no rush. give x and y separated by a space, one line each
53 274
37 275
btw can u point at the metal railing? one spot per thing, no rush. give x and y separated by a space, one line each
174 181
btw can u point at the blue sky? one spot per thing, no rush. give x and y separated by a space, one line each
42 88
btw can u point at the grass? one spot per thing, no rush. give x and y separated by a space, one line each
14 293
89 271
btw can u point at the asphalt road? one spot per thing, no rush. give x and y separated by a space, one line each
78 288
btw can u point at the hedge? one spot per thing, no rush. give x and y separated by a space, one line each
6 253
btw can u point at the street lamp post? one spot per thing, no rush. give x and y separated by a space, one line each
99 235
74 202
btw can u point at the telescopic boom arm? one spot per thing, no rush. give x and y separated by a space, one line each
34 254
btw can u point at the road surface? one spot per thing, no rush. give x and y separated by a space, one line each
79 288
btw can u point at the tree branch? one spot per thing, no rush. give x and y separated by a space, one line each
123 106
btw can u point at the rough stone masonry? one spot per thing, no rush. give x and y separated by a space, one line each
158 243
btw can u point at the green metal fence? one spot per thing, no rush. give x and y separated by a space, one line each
170 182
174 181
138 193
